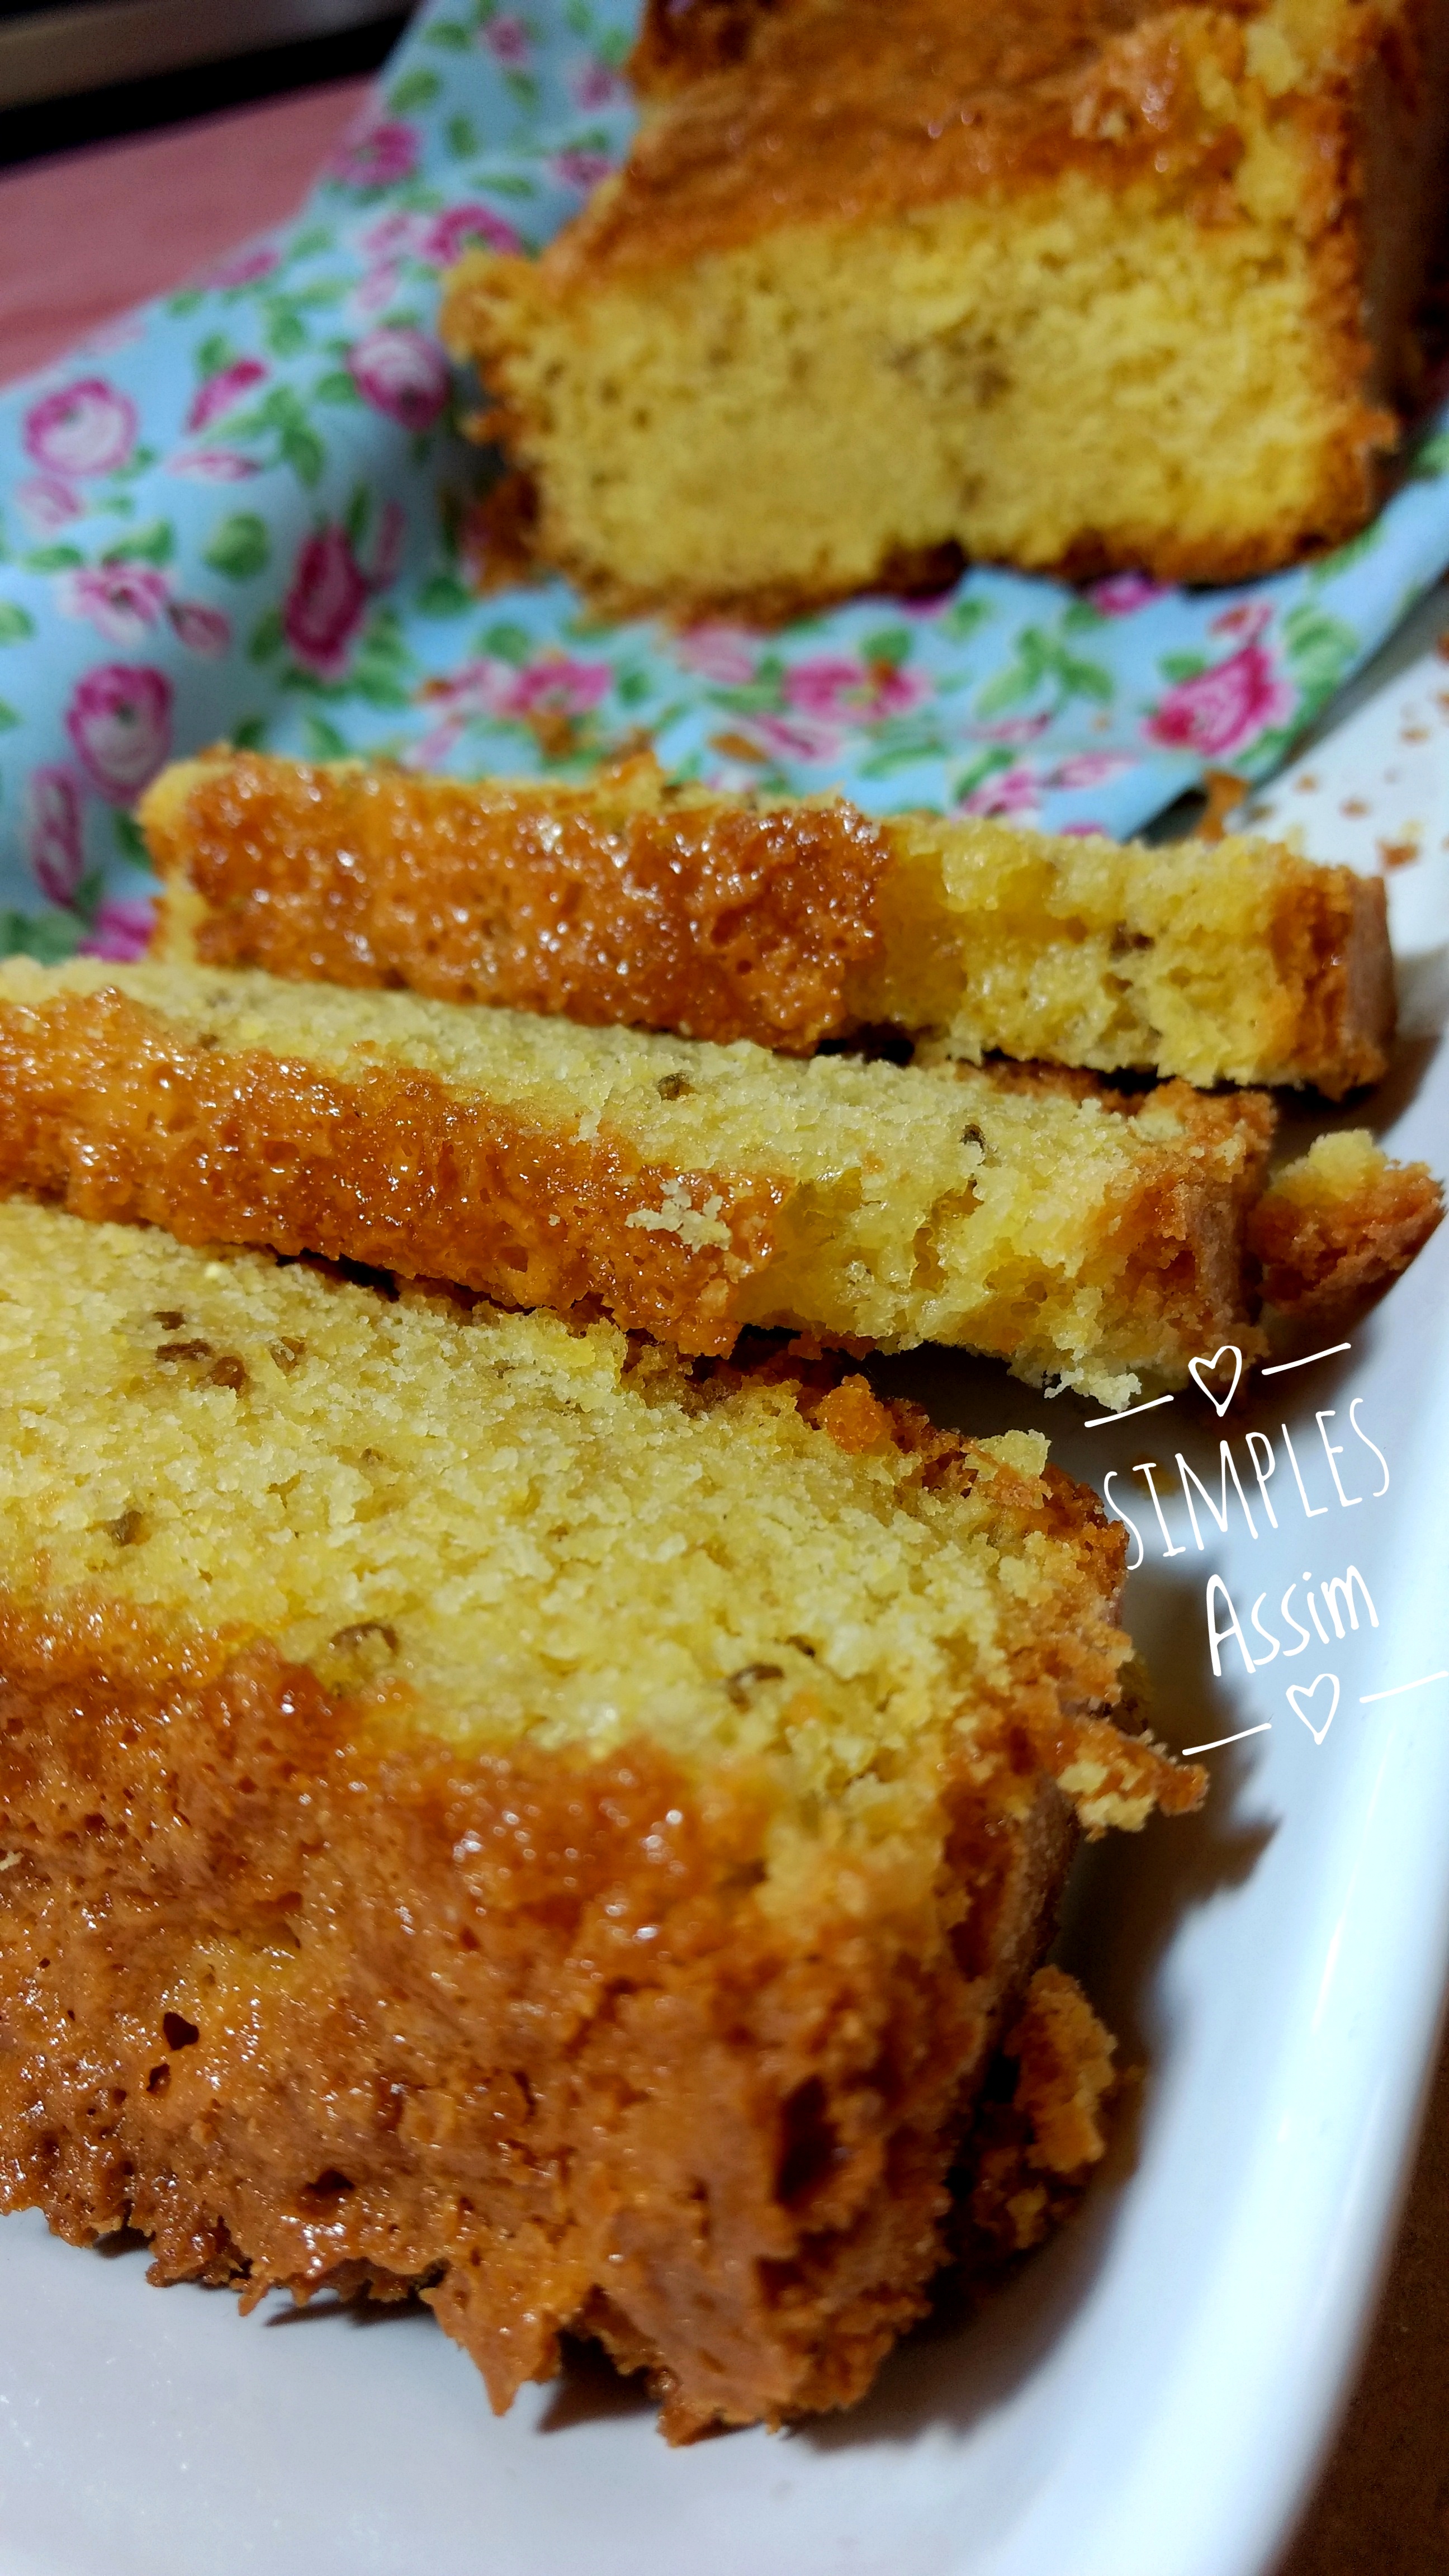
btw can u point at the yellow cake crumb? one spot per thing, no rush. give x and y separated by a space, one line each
1089 1238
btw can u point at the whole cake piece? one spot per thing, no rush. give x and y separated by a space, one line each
491 1810
632 902
1088 1237
1063 283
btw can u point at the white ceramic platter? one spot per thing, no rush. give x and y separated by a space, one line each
1149 2397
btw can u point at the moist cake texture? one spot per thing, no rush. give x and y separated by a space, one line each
1064 283
689 1189
1338 1222
631 902
625 902
485 1807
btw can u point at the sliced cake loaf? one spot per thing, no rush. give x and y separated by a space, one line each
485 1809
1089 1238
631 902
1066 283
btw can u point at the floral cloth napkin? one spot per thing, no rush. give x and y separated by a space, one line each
237 513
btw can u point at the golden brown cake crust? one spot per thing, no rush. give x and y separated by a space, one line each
850 109
614 905
680 40
310 2004
103 1109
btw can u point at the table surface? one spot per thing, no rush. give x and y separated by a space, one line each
85 234
88 233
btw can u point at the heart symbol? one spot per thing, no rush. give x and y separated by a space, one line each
1201 1370
1300 1692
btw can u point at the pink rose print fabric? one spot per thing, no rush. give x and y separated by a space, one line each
244 512
120 600
45 503
84 428
117 930
461 228
119 720
218 394
1224 706
377 157
245 266
401 372
53 833
1228 703
200 629
326 604
507 39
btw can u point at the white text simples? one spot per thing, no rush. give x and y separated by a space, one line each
1259 1477
1261 1466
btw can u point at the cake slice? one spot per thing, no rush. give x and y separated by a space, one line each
629 901
1115 284
1088 1237
1337 1223
491 1810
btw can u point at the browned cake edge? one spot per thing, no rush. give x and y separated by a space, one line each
684 40
307 2014
106 1109
1037 2131
1330 936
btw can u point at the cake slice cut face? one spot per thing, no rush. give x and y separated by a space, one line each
630 902
1063 283
486 1808
687 1189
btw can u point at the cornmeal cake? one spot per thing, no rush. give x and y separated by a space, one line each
1063 283
628 901
1338 1223
1085 1236
489 1809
